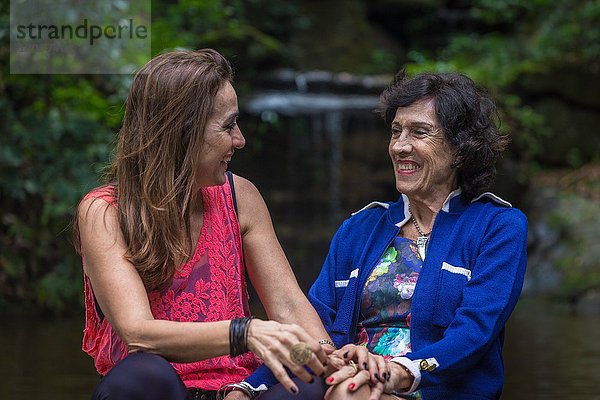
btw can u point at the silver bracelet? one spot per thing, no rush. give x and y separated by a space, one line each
244 387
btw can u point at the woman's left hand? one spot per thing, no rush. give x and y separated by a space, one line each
357 359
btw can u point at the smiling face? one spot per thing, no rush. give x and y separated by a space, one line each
420 154
222 137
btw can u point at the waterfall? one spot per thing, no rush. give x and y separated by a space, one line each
327 101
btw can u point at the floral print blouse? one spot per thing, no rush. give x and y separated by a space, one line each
384 322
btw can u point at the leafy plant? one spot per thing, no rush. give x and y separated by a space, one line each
514 41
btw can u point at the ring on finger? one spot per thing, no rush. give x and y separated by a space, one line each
354 366
300 353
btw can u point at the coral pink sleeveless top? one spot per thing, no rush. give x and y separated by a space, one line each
209 287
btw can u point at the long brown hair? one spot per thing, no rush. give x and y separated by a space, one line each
156 163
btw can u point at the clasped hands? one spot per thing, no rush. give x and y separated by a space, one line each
347 369
352 367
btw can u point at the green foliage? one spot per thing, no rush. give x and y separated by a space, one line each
577 254
57 136
382 62
56 133
252 33
517 39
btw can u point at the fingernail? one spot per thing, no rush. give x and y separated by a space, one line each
365 366
351 386
346 354
329 380
294 390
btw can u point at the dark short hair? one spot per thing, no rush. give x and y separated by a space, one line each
468 119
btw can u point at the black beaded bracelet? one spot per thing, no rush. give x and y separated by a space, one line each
238 336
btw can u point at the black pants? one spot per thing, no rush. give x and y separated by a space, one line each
145 376
308 391
141 376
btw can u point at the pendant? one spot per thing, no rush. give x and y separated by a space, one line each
407 289
422 245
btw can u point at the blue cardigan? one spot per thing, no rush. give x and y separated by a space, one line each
469 285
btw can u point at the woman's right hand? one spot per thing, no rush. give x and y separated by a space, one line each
349 379
271 341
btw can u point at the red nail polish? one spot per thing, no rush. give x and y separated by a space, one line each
351 386
330 379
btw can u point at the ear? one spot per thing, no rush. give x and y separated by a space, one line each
458 160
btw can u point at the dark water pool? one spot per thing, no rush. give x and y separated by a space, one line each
552 354
549 355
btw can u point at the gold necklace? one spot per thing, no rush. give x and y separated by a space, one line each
422 238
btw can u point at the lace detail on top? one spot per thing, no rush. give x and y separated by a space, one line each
209 287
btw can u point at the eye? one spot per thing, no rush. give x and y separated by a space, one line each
231 126
396 131
420 133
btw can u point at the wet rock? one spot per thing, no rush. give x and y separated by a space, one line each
564 218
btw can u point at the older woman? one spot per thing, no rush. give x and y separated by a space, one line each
429 281
418 291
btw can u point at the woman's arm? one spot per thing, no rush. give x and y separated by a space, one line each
268 267
487 300
123 299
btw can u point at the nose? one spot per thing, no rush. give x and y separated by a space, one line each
238 138
402 144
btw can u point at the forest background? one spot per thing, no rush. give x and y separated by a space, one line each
315 164
540 59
